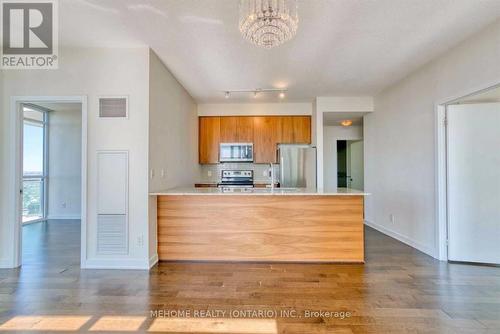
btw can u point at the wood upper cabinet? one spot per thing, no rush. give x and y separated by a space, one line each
235 129
266 136
244 127
287 130
265 132
209 139
228 130
296 130
302 129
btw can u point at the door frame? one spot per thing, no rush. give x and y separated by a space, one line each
441 167
16 163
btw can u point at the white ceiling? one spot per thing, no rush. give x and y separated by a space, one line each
343 47
487 96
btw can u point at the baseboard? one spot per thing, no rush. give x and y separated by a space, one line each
404 239
116 263
5 264
55 217
153 260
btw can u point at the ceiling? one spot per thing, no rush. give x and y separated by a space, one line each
343 47
334 118
487 96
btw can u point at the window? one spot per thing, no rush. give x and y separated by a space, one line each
34 163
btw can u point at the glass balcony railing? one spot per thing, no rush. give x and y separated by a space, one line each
32 199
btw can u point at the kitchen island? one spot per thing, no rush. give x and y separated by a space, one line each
259 224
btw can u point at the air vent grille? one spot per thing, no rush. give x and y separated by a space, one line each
113 107
112 234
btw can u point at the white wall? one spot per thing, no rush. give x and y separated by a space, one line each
243 109
400 140
360 104
5 250
314 121
64 163
91 72
330 136
173 137
173 130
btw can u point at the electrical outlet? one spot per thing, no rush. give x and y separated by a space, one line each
162 173
152 173
265 173
392 218
209 173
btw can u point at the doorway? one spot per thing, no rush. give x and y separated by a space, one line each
350 166
343 161
51 164
50 186
473 177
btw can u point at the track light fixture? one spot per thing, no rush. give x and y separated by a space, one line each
256 92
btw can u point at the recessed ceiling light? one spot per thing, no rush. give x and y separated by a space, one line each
346 122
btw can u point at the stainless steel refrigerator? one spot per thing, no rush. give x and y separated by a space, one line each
297 166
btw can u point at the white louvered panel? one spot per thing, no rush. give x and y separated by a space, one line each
113 107
112 202
112 234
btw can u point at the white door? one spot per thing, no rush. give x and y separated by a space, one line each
474 182
355 169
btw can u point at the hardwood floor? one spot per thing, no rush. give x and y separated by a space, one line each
397 290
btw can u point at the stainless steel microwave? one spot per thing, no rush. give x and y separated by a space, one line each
236 152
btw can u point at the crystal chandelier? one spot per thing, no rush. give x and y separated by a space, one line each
268 23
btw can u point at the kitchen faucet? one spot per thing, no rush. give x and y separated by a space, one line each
272 175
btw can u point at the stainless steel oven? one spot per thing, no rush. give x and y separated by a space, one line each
236 152
236 179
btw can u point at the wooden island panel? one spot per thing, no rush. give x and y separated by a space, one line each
298 228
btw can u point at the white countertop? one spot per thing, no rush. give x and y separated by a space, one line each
260 191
